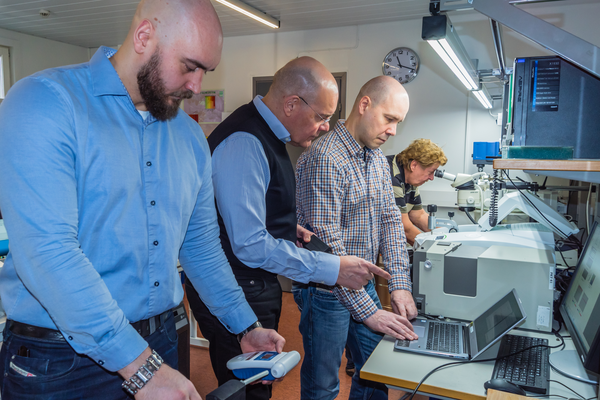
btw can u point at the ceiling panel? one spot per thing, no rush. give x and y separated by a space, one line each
91 23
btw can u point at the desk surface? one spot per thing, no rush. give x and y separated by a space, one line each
404 370
496 395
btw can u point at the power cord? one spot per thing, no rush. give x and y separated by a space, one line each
560 383
565 261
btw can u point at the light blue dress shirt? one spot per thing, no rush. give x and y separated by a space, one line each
99 205
241 177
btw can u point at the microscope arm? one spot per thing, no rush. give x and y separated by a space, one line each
548 217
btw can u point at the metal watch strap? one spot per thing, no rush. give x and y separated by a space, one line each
143 374
243 333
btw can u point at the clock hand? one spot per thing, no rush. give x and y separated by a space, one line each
403 66
392 66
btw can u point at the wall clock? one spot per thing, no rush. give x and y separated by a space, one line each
401 64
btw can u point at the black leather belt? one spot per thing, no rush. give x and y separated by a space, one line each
36 332
312 284
321 286
145 327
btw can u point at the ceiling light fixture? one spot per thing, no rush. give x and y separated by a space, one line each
439 33
251 12
484 97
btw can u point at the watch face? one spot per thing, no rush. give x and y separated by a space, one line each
402 64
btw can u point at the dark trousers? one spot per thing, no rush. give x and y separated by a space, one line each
264 296
62 374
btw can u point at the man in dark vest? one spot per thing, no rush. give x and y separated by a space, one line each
255 195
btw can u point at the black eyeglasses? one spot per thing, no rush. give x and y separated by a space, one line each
325 120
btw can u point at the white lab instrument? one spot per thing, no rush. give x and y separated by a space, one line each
247 365
454 273
457 280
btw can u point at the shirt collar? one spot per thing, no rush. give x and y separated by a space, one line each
105 79
271 120
401 176
351 144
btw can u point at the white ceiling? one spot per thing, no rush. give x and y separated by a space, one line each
91 23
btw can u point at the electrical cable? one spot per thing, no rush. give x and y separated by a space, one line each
587 209
450 364
470 217
563 258
560 383
427 316
494 200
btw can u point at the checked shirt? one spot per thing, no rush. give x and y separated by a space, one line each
344 194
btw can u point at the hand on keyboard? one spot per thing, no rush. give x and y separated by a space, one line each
391 324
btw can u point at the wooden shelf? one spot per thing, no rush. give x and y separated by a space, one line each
548 165
580 170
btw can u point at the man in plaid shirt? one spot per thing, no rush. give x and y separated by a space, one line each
344 194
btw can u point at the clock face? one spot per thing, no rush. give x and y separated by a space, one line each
401 64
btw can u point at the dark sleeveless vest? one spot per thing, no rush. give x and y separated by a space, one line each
281 192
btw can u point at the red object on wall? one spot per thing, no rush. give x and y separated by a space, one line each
194 117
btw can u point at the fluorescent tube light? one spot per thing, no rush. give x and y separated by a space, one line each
251 12
484 97
440 34
469 84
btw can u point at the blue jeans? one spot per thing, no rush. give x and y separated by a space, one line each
326 327
62 374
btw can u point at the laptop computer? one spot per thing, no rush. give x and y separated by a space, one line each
466 340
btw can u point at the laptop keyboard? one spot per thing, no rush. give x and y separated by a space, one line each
529 369
442 337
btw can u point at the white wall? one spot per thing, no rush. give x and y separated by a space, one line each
30 54
441 108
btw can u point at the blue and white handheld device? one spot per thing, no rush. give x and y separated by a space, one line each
247 365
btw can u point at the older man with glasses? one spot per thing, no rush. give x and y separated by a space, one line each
255 194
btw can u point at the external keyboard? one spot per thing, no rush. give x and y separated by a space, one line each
442 337
529 369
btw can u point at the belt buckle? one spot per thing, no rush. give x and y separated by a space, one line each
152 323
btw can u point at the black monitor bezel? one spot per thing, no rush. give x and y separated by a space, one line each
590 358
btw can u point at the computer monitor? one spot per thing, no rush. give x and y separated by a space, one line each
580 309
555 104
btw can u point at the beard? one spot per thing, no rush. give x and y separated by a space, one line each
153 91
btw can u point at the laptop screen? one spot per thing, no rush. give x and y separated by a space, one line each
497 320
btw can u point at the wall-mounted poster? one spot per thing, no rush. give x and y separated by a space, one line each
208 105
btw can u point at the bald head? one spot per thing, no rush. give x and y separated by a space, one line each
303 76
381 104
303 97
379 89
173 18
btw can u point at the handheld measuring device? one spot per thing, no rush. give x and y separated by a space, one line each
247 365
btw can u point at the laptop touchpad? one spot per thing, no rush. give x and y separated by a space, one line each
419 330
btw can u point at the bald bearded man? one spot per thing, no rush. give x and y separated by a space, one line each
255 193
345 194
110 185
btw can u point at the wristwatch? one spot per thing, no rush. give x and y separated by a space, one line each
243 333
143 374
